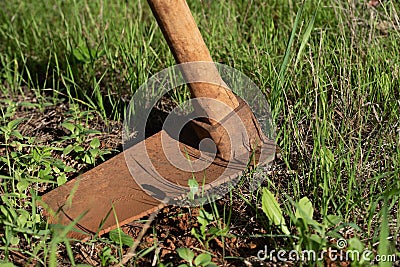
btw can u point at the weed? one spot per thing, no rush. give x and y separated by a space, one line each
202 260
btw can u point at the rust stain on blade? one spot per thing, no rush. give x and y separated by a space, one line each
107 196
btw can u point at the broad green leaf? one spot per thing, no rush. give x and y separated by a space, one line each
14 123
17 134
69 126
94 152
333 219
14 240
22 185
62 179
271 208
202 260
88 159
45 173
68 149
56 169
186 254
69 169
84 54
205 217
23 219
304 209
95 143
78 149
118 236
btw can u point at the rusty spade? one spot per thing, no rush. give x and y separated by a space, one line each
107 196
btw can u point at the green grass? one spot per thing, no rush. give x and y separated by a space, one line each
330 73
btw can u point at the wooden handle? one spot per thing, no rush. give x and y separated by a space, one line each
187 45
